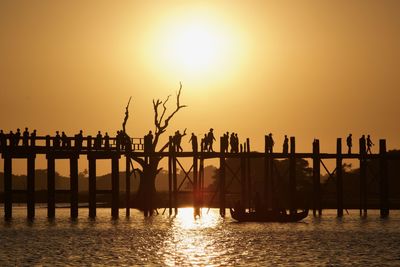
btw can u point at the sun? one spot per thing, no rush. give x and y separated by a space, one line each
194 47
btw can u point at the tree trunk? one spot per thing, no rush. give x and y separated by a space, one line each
147 189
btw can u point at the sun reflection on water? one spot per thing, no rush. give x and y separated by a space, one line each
193 240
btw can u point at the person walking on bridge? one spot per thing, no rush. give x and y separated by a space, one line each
369 144
349 142
193 140
210 140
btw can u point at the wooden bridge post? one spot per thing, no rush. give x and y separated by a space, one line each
31 187
222 180
243 182
383 175
201 183
174 180
128 186
363 178
339 178
292 175
51 187
195 184
316 179
267 177
248 169
92 187
7 187
115 186
73 166
170 148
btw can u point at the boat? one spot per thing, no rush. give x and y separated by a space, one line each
269 216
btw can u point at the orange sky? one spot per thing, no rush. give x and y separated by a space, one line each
305 68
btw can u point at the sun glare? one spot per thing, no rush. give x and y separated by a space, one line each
194 47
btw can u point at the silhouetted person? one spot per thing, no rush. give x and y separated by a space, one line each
225 142
17 137
106 141
232 142
236 143
285 145
193 140
25 137
210 140
64 140
363 144
177 140
204 143
57 140
33 138
79 140
98 141
148 142
349 142
270 143
369 144
11 138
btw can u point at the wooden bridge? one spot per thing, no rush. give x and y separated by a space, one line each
114 148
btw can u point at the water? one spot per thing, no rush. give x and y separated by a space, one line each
210 241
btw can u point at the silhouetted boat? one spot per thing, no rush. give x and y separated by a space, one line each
268 216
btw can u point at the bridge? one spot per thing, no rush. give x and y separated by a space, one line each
113 148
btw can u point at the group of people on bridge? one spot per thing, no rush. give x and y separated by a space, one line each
123 142
62 141
365 143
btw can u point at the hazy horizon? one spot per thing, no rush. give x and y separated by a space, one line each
308 69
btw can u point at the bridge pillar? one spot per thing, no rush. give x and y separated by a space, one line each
195 185
31 187
51 187
292 176
7 187
73 163
92 187
222 180
128 186
170 148
339 178
363 178
383 182
115 187
174 180
268 184
317 207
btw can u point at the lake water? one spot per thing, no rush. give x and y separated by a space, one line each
210 240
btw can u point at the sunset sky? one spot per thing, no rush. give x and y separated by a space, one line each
311 69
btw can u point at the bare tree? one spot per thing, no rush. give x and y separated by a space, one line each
149 165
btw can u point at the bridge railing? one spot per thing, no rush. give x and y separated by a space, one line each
81 143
